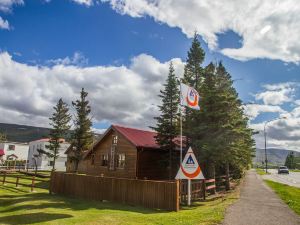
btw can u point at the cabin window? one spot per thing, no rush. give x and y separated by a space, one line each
121 161
104 160
11 147
93 159
115 140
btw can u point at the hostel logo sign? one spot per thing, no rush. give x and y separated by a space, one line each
189 97
189 168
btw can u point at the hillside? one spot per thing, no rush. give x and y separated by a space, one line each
275 156
23 133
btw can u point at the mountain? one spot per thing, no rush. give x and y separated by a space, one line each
275 156
23 133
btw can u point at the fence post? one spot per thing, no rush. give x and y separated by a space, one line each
177 195
32 184
17 181
51 181
214 190
204 189
4 176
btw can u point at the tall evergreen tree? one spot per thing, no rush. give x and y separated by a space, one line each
193 71
60 122
193 76
221 132
290 161
82 135
167 122
2 137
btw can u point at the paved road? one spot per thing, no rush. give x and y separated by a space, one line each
259 205
292 179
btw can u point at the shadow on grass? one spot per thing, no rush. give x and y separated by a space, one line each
20 202
31 218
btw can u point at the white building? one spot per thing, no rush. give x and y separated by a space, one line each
43 162
14 150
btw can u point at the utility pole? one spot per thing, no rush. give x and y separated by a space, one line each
265 134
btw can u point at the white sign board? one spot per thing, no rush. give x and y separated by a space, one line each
189 168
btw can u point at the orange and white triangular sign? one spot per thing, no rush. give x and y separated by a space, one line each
189 168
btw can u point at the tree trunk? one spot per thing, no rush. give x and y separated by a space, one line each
211 172
35 164
227 181
170 164
76 165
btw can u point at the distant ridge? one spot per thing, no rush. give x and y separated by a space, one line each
275 156
23 133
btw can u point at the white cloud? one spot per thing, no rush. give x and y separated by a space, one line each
6 5
283 133
253 110
77 59
118 94
84 2
270 29
277 94
4 24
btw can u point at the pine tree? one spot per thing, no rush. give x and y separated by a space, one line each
290 161
221 132
193 71
82 135
167 122
193 76
2 137
60 122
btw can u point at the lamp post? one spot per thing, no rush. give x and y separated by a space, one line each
265 134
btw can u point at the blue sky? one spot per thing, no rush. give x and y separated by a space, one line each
59 37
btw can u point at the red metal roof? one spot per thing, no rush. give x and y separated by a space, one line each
2 152
140 138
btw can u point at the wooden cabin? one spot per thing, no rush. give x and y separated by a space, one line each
127 153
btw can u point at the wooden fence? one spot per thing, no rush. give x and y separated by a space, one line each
17 178
200 188
146 193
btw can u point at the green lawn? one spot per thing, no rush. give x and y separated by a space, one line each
290 195
261 171
19 206
295 170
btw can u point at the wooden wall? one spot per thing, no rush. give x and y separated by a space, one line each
150 194
152 164
123 146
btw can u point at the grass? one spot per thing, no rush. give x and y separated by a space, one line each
261 171
290 195
19 206
295 170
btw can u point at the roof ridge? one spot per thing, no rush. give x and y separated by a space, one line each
133 128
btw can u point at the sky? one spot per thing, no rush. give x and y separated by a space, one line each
120 51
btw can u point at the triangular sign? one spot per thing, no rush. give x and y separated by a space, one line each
189 168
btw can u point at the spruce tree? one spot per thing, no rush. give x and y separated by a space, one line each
82 135
290 161
167 123
60 122
2 137
193 76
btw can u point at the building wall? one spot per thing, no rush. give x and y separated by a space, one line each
103 148
43 162
20 150
153 164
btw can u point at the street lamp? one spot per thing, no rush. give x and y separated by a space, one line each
265 134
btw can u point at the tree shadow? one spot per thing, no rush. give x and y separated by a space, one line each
33 201
31 218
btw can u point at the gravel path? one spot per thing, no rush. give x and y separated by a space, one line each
259 205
